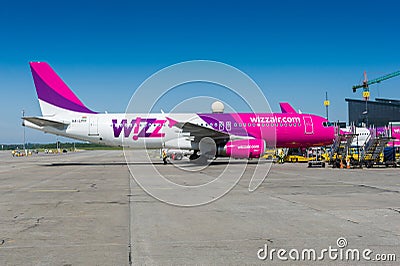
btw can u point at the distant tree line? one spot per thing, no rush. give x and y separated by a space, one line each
61 145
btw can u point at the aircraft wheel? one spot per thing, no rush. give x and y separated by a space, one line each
194 156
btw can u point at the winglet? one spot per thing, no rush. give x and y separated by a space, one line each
171 122
287 108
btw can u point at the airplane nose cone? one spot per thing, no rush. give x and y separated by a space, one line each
331 135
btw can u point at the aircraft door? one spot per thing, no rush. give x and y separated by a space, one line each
308 125
93 126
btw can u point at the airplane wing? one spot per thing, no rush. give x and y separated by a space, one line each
44 122
199 132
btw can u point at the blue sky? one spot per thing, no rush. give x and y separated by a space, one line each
294 50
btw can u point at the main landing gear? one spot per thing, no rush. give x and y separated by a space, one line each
194 156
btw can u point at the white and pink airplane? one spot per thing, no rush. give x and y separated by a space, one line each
237 135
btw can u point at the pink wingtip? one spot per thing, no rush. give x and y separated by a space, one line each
171 122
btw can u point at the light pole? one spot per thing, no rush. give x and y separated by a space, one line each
327 103
23 115
366 95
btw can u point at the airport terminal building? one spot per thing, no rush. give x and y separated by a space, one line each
378 113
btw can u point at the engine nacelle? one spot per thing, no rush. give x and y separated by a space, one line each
246 148
181 143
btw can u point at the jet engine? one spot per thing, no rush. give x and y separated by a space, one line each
246 148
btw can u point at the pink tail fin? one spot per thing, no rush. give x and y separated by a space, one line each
51 89
287 108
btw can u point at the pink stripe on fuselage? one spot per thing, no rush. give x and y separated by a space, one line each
287 135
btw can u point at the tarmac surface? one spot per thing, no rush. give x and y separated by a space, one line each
84 208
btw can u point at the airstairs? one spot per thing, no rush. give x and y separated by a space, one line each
341 147
374 147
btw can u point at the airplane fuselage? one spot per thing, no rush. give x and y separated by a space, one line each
238 135
156 131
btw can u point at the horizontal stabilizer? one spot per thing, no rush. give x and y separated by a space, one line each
287 108
44 122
